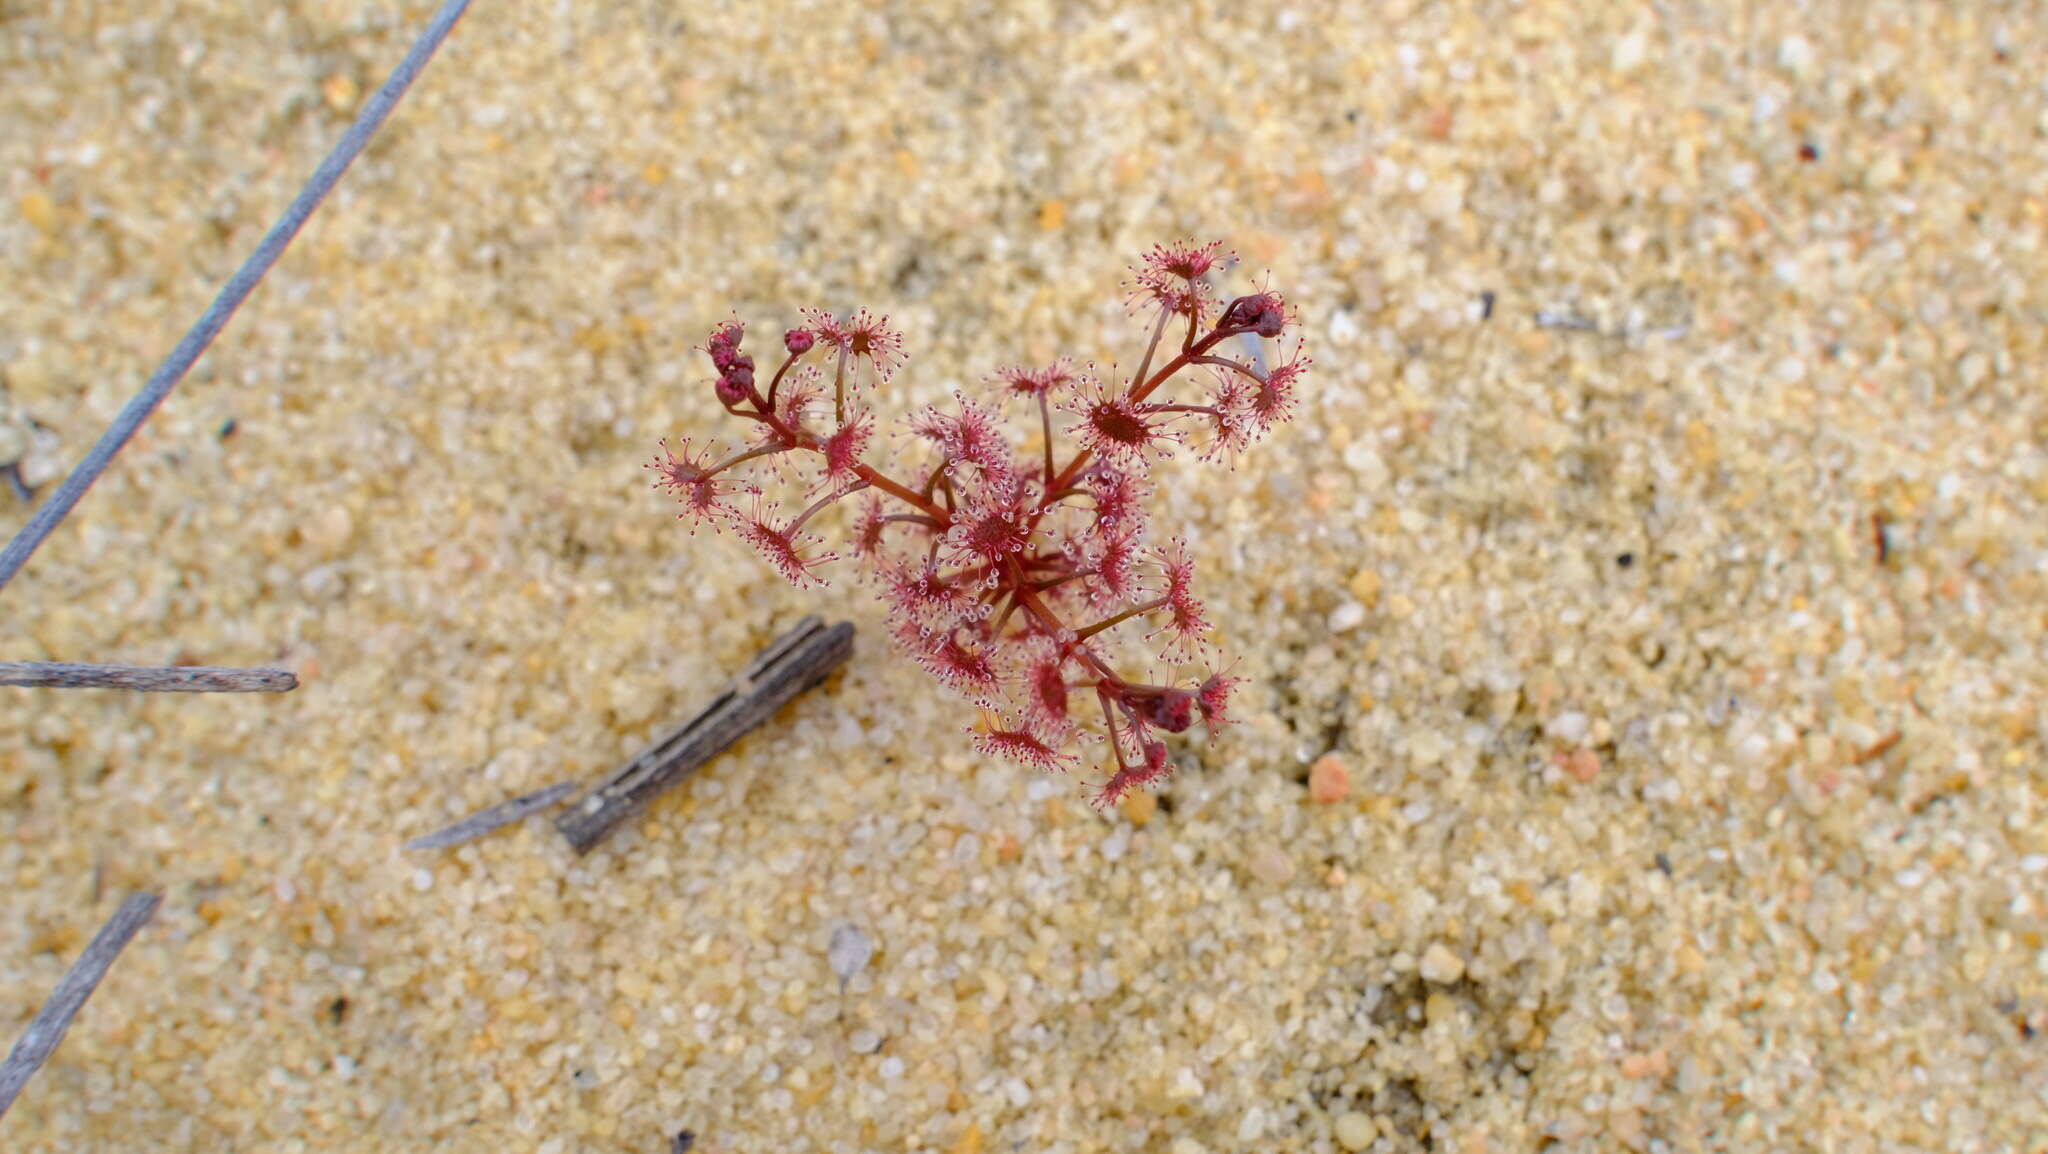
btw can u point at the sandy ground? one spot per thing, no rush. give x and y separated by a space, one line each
1659 555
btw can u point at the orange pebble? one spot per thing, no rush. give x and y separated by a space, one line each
1328 780
1583 765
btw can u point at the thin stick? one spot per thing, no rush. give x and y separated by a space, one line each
498 816
231 297
798 660
147 678
43 1034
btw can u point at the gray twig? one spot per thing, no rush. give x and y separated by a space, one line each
798 660
231 297
146 678
502 814
43 1034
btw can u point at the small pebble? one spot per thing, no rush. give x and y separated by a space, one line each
1629 52
1441 966
865 1041
1270 864
1655 1063
1355 1131
1795 55
1348 615
1569 728
1329 781
329 530
1139 807
1582 764
39 210
849 952
340 90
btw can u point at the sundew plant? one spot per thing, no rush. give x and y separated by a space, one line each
1017 572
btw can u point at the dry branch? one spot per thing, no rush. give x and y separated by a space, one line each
146 678
43 1034
798 660
237 290
498 816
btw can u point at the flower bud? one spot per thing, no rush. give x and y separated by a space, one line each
741 371
1175 711
730 393
799 341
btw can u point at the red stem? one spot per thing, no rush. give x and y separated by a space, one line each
1186 358
1120 618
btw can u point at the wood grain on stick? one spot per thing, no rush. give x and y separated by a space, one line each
47 1030
798 660
146 678
498 816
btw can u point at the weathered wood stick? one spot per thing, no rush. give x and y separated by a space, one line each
47 1030
798 660
502 814
146 678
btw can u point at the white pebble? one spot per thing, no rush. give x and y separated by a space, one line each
1364 461
1348 615
1569 728
1629 52
1355 1131
865 1041
1441 966
1343 327
892 1069
1253 1125
849 951
39 469
1795 55
423 879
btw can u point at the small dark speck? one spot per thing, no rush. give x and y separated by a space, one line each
1486 305
337 1010
23 491
681 1143
1664 863
227 428
1625 560
1808 152
1351 116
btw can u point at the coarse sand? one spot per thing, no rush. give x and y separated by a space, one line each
1643 619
